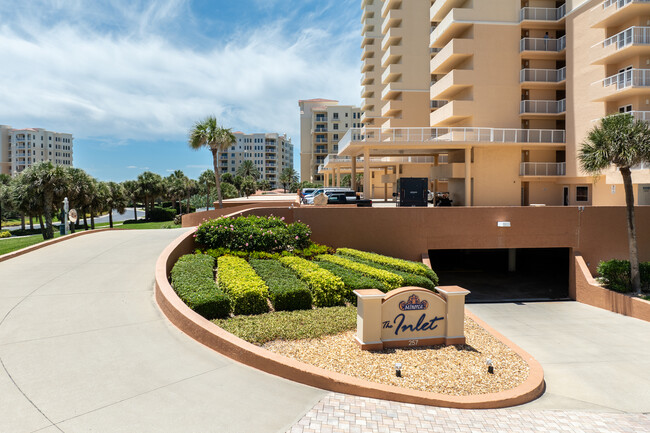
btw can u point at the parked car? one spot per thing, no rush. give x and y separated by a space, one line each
348 197
442 199
309 198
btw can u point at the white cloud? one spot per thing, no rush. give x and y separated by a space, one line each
142 85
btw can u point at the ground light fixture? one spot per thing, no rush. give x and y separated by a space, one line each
490 366
398 369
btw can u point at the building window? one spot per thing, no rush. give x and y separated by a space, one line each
625 109
335 126
582 193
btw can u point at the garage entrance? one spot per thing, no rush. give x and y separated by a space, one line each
500 275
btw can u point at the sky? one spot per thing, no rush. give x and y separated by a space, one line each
129 78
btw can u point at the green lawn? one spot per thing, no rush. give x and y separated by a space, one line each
149 225
13 244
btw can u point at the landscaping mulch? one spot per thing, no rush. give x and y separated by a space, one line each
452 370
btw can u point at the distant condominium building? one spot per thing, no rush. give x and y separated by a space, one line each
492 100
21 148
323 122
270 152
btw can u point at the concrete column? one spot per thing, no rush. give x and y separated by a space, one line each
353 174
512 259
338 177
369 318
386 185
334 179
468 176
326 180
366 173
455 297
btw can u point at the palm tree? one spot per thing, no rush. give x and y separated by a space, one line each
623 142
98 202
48 184
132 192
206 180
191 188
175 186
208 133
288 177
80 191
116 198
248 186
4 189
264 185
248 169
149 184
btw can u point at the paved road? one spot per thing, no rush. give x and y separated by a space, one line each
117 217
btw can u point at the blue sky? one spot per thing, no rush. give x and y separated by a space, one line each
129 77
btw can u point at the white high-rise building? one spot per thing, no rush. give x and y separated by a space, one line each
21 148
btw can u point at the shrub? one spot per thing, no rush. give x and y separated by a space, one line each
327 289
313 250
246 289
253 233
615 275
353 280
160 214
193 280
285 290
389 278
409 279
5 234
399 264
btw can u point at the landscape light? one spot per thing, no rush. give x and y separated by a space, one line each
398 369
490 366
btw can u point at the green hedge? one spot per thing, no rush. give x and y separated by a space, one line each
247 291
353 280
615 275
389 278
409 279
392 262
160 214
285 290
307 253
5 234
193 280
326 288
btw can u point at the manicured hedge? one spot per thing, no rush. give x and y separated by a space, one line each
409 279
247 291
307 253
615 275
354 280
193 280
399 264
285 290
326 288
5 234
389 278
160 214
253 233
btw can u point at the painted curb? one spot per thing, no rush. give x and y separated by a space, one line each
212 336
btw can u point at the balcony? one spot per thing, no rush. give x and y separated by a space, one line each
543 107
454 23
452 83
320 119
544 18
368 65
437 103
368 51
320 140
392 19
542 48
392 55
441 8
392 37
617 12
628 43
542 169
542 78
456 51
632 82
367 78
317 130
452 112
388 5
392 108
367 92
391 73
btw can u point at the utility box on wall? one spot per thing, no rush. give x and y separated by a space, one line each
413 191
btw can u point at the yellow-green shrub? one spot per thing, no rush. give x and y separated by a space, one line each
399 264
392 280
247 291
326 288
5 234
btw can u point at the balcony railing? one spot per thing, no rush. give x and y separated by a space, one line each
438 103
630 36
542 107
321 140
542 169
621 3
391 136
542 75
334 159
543 44
320 119
629 78
542 14
320 130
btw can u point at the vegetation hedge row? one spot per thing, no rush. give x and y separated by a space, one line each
253 233
399 264
409 279
285 290
193 280
247 291
326 288
160 214
307 253
5 234
392 280
616 275
353 280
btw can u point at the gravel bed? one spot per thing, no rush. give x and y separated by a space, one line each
451 370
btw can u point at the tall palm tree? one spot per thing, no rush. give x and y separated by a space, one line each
98 200
288 177
191 188
248 169
115 199
48 184
622 142
132 192
207 182
175 188
149 184
208 133
80 191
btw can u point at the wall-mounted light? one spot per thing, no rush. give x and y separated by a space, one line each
503 223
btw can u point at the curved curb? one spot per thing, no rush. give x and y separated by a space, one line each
239 350
43 244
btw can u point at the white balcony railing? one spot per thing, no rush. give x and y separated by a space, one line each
334 159
621 3
542 14
542 107
630 36
392 136
629 78
542 75
542 169
543 44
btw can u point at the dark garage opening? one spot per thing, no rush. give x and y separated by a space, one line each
498 275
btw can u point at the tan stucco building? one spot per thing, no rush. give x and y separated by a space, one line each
21 148
491 100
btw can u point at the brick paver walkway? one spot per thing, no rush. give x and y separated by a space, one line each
350 414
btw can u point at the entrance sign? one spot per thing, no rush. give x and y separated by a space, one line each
410 316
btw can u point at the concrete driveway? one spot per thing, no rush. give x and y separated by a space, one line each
592 359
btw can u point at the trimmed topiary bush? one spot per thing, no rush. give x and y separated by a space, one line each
615 275
193 280
409 279
160 214
389 278
247 291
353 280
399 264
326 288
285 290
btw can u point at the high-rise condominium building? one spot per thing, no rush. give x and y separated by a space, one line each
271 153
323 122
21 148
492 100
